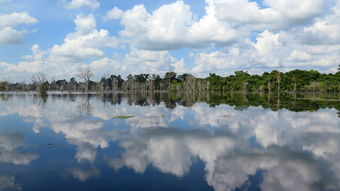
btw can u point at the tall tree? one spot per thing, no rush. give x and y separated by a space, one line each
42 84
169 77
86 74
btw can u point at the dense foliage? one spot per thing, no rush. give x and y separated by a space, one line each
240 81
296 80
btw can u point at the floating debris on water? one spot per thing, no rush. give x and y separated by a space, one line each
123 116
224 116
51 145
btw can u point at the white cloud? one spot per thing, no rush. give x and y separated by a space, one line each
83 44
283 50
77 4
268 46
301 56
230 23
149 61
215 61
14 19
114 13
138 61
173 26
9 35
240 57
325 30
298 11
85 24
242 12
277 14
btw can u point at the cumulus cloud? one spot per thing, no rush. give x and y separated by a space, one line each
85 43
9 35
79 47
216 61
298 12
288 31
325 30
138 61
114 13
173 26
242 12
276 15
282 50
14 19
76 4
150 61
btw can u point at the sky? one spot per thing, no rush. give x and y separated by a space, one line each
61 37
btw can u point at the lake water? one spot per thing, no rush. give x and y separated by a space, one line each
168 142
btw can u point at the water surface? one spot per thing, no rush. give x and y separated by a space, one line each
169 142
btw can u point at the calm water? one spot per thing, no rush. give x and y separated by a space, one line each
172 142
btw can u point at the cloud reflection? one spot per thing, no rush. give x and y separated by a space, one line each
8 183
9 145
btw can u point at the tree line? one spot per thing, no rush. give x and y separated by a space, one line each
240 81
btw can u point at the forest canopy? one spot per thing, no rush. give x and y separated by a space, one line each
240 81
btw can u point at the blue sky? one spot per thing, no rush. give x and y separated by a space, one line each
59 37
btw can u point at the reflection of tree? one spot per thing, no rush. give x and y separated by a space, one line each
5 97
40 100
112 98
85 107
170 101
240 101
292 102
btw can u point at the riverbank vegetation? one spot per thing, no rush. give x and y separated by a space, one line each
240 81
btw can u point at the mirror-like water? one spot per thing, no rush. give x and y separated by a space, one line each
168 142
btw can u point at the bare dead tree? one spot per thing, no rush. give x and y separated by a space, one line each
41 83
86 74
41 78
